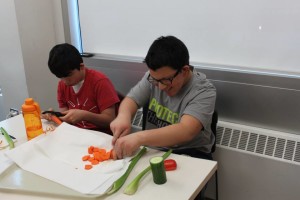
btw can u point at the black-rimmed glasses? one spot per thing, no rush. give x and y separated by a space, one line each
164 81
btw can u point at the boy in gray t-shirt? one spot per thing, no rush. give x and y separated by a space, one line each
181 104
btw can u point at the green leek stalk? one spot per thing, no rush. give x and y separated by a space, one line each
118 183
134 184
8 138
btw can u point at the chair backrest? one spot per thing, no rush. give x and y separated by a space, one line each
120 95
145 113
213 126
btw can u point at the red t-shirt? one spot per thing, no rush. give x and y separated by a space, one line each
96 94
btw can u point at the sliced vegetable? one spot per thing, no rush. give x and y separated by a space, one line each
91 149
86 157
134 184
94 162
97 155
8 138
113 155
118 183
88 167
158 170
56 119
170 164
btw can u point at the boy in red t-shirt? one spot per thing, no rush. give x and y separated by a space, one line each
86 97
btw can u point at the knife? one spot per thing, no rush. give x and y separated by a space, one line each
12 137
8 139
57 114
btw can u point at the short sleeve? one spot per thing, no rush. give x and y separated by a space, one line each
140 93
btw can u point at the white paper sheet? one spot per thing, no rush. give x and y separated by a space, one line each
57 157
4 162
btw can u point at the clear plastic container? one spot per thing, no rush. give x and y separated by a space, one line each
31 113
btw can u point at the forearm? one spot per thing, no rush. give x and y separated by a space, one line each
127 108
162 137
165 137
121 126
101 120
171 135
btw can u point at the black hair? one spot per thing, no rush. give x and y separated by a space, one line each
63 59
167 51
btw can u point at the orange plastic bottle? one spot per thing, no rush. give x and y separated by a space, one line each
31 113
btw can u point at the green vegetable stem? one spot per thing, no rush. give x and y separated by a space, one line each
8 139
118 183
133 185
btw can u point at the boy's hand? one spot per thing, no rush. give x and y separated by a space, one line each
127 145
73 116
120 127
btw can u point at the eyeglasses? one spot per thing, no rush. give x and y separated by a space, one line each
164 81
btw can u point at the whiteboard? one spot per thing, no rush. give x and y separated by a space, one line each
258 34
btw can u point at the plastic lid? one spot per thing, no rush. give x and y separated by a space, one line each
29 105
28 108
29 101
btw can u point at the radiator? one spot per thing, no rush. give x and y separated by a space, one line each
253 163
256 164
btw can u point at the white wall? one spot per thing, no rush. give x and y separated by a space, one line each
29 30
250 34
12 75
39 24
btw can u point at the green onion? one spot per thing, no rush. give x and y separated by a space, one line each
133 186
118 183
8 138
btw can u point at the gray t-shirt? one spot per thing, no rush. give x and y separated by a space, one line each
196 98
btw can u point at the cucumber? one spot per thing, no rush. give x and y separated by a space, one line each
158 170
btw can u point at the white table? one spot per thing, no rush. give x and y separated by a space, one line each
184 183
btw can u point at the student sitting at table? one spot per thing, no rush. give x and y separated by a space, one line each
181 105
86 97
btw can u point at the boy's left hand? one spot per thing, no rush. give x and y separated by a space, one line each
73 116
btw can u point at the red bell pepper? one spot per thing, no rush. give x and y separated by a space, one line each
170 164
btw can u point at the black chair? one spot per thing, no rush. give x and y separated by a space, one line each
213 149
120 95
213 126
145 113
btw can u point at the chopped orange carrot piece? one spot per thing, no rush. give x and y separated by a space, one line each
96 149
97 155
86 157
106 156
87 167
94 162
113 154
102 151
91 158
91 149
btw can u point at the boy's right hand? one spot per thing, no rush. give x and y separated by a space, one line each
120 127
